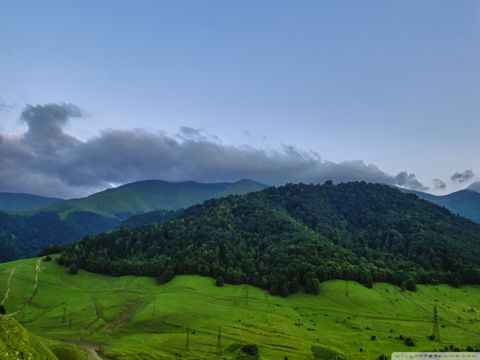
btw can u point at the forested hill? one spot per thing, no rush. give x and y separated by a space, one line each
26 234
287 238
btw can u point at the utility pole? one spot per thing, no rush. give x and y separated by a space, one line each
219 343
187 341
64 313
436 330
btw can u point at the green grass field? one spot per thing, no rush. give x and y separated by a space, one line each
134 318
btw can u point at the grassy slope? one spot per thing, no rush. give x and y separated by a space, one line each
150 195
18 343
118 315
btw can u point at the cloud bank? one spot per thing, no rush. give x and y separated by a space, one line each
465 176
47 160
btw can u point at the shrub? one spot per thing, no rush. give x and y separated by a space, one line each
73 269
219 282
409 341
47 258
3 311
165 277
250 349
373 338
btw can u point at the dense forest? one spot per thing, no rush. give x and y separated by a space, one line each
149 218
293 237
26 235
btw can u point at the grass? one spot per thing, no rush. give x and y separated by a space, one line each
134 318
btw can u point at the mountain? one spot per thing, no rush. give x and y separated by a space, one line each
464 202
19 202
293 237
26 234
150 195
474 187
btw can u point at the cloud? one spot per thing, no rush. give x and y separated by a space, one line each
410 181
47 160
463 176
439 184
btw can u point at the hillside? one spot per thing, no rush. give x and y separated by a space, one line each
19 202
293 237
26 234
150 195
18 343
131 317
149 218
464 202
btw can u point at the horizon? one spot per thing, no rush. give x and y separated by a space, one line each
467 188
277 92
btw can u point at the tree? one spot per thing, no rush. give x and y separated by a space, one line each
3 311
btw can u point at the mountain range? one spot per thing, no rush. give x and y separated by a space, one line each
19 202
25 233
464 202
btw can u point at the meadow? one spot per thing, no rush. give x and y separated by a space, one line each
132 317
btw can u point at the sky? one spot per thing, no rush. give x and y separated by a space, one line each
99 93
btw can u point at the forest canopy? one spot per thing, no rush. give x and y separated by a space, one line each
293 237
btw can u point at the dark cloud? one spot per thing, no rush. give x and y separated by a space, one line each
439 184
45 126
46 159
409 181
463 176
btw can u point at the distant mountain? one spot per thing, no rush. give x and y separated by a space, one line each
291 237
464 202
26 234
474 187
150 195
19 202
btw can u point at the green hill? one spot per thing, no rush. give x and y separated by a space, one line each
293 237
26 234
131 317
150 195
464 202
19 202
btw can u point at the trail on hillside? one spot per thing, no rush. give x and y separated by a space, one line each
9 281
38 268
92 350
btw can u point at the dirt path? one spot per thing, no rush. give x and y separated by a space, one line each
9 281
38 268
91 349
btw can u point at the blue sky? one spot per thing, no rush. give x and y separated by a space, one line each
392 83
